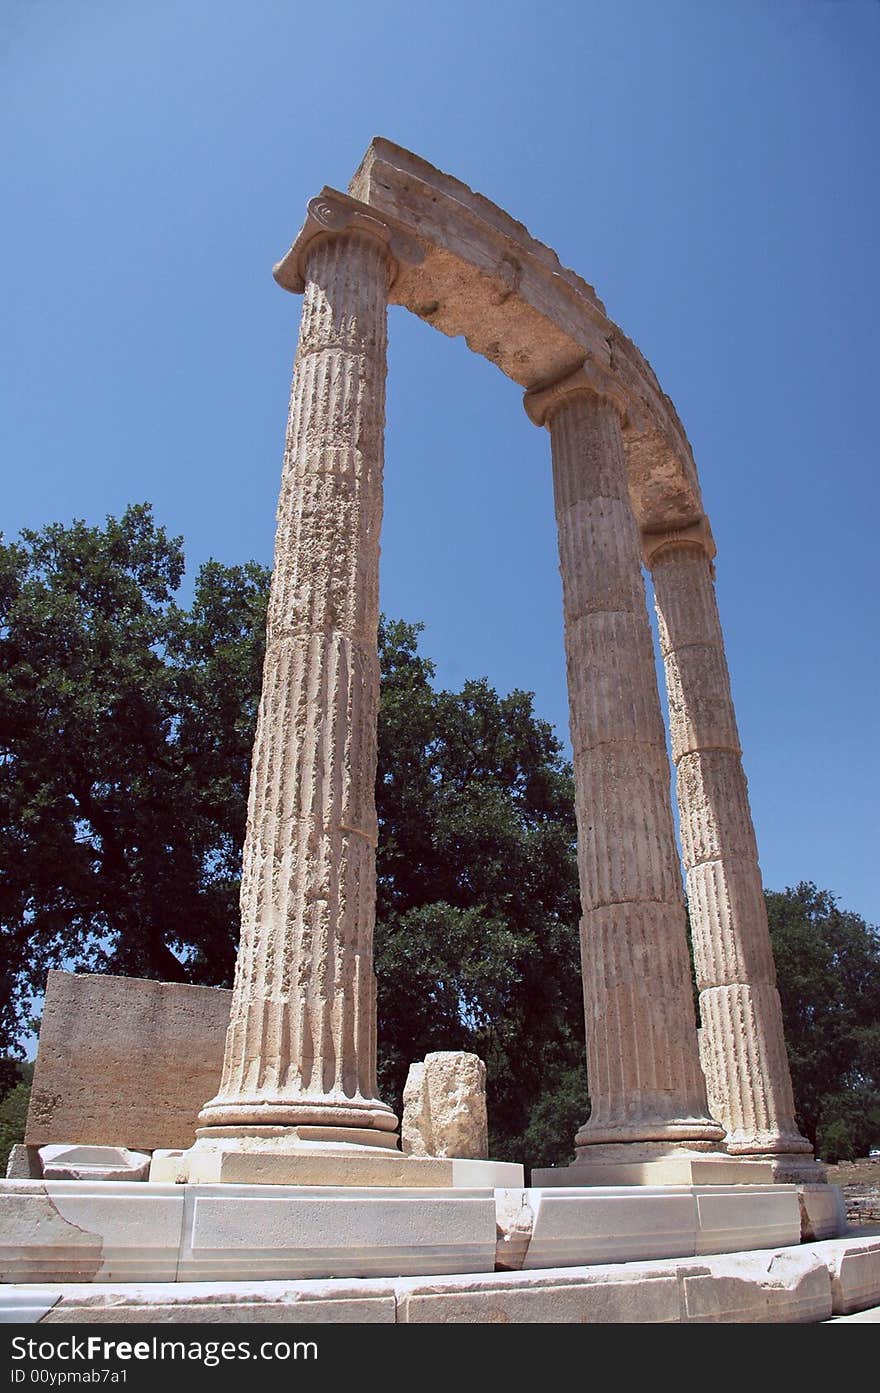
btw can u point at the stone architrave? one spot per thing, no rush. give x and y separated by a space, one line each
444 1107
743 1043
646 1084
300 1059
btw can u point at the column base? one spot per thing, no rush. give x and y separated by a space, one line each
768 1144
655 1164
654 1136
795 1169
319 1156
265 1114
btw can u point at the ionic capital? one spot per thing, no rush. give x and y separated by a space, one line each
698 534
589 380
332 213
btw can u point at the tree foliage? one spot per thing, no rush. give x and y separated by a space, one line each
13 1116
126 726
828 969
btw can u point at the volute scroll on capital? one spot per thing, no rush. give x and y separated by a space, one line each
591 379
331 213
698 535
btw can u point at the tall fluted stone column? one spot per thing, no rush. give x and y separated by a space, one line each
742 1039
646 1085
300 1062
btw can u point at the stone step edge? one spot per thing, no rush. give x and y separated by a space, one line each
808 1283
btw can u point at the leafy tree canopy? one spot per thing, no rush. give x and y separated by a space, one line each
126 725
828 968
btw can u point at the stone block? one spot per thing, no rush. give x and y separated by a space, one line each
25 1305
169 1167
674 1169
123 1062
320 1232
444 1107
579 1227
331 1302
24 1163
742 1217
88 1231
582 1295
823 1212
316 1167
93 1231
65 1162
791 1286
634 1223
556 1227
854 1266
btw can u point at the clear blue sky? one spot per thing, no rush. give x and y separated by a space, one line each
710 167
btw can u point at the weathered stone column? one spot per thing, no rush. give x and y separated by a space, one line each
742 1039
300 1063
646 1084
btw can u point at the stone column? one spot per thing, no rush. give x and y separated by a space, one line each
300 1062
742 1038
646 1084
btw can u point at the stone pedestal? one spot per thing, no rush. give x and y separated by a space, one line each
742 1041
657 1165
646 1084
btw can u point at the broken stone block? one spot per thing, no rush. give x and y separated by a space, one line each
444 1107
66 1162
24 1163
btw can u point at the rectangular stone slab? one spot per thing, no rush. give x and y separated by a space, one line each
98 1231
89 1231
630 1223
124 1062
235 1231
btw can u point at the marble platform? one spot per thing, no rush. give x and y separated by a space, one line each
92 1231
804 1284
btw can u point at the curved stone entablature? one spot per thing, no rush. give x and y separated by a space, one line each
465 266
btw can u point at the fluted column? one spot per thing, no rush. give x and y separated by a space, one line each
301 1046
742 1037
646 1085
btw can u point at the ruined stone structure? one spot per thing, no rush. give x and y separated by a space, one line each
299 1068
683 1203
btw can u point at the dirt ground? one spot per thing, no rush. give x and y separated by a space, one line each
860 1182
863 1172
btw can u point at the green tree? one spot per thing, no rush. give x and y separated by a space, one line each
126 725
14 1101
828 969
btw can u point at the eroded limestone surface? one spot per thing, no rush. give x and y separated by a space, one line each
444 1107
124 1062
